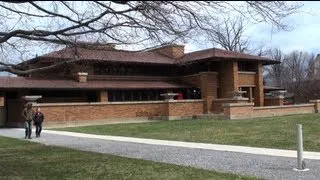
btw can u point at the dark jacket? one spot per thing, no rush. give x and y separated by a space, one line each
38 117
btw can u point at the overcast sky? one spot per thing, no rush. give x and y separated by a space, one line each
305 36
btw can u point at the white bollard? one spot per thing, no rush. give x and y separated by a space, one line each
301 164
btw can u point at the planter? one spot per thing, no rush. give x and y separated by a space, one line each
169 96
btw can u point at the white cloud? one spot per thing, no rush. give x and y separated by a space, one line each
189 48
305 36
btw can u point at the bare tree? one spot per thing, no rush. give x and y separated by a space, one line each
313 68
230 35
297 63
275 72
28 24
293 73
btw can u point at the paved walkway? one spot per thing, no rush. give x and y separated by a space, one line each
260 162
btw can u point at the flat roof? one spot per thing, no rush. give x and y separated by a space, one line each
153 57
33 83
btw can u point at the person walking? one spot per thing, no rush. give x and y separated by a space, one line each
38 119
28 115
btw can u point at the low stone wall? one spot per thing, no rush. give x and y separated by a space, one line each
238 110
217 104
184 109
76 114
246 110
283 110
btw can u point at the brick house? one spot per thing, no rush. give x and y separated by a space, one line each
109 76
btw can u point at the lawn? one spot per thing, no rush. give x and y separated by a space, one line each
20 159
273 132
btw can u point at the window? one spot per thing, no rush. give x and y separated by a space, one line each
246 66
133 95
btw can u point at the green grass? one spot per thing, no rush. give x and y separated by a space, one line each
20 159
274 132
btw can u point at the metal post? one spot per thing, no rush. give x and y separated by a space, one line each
300 162
299 146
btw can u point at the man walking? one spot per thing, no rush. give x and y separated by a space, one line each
28 115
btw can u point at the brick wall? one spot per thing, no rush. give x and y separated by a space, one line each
247 111
246 78
61 114
87 111
178 109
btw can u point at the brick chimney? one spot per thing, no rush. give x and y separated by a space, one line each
81 77
172 50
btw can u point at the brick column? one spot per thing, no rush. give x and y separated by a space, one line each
103 96
250 94
259 97
228 78
208 86
81 77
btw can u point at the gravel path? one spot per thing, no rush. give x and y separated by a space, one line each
268 167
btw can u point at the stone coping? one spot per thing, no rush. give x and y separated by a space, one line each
246 72
247 85
237 104
116 103
315 101
274 97
278 91
231 99
169 94
31 98
284 106
184 101
82 73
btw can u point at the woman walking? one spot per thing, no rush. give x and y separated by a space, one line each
38 119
